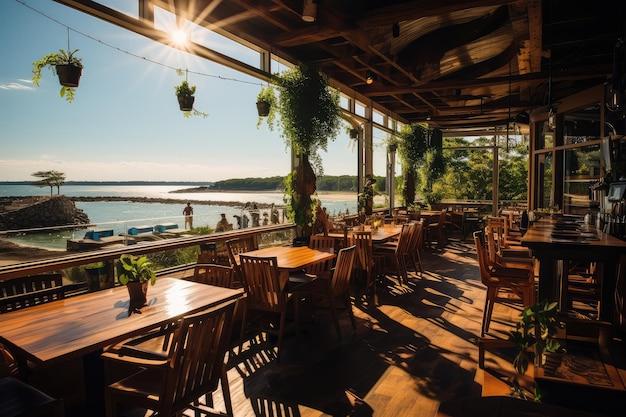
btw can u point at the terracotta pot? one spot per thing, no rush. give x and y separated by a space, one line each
263 107
138 292
186 103
69 75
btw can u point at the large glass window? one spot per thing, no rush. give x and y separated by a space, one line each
582 168
544 180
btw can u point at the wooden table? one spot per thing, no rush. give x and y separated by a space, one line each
380 235
550 251
69 328
292 258
65 337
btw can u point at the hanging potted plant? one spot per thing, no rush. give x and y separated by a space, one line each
67 67
265 100
310 116
136 273
185 94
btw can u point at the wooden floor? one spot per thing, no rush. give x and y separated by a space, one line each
417 349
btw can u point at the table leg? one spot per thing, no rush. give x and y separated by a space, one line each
548 285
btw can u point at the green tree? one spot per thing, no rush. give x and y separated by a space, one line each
49 179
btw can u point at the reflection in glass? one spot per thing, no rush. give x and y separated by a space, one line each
582 168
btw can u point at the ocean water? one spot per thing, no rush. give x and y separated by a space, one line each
121 215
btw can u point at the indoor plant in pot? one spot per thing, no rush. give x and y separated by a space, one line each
67 66
136 273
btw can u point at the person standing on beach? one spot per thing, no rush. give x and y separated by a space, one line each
188 213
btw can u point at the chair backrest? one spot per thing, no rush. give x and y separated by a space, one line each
417 236
323 243
28 291
213 274
483 258
238 246
443 217
340 282
262 283
196 357
404 240
362 240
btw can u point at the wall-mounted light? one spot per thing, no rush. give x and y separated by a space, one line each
428 117
395 30
309 10
369 77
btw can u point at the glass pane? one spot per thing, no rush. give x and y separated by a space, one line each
582 125
582 168
544 180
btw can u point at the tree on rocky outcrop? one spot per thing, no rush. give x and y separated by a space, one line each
50 179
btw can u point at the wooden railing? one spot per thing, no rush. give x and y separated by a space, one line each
70 260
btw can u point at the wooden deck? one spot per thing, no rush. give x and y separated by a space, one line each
417 349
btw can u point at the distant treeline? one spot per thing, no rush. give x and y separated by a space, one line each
324 183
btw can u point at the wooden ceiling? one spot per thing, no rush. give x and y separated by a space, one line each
466 65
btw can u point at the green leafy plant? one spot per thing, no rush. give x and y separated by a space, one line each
51 61
184 89
267 97
534 335
132 268
310 116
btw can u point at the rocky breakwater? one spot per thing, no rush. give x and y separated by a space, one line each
49 212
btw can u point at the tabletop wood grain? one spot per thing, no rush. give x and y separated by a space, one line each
69 328
293 258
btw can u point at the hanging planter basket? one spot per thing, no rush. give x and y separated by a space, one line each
263 108
186 103
354 134
69 75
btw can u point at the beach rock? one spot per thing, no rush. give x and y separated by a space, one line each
48 212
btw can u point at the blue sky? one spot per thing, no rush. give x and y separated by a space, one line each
124 123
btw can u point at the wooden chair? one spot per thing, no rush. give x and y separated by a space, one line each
362 240
325 290
28 291
438 229
497 254
398 251
267 298
323 243
417 243
193 367
236 247
518 282
213 274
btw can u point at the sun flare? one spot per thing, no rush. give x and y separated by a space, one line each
180 38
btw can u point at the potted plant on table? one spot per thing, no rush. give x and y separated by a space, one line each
68 68
136 273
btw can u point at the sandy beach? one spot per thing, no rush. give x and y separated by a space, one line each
10 253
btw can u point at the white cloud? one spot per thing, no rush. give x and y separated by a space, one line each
17 86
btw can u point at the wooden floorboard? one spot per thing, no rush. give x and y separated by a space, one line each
407 355
415 350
